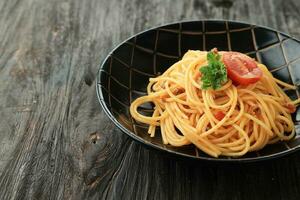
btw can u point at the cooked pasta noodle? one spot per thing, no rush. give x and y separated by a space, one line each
254 115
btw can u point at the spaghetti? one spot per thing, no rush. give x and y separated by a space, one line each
252 116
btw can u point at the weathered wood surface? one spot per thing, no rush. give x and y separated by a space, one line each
56 142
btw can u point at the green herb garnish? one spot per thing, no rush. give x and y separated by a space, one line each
214 74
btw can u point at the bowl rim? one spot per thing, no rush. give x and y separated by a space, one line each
175 153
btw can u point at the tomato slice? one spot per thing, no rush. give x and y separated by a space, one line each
219 115
241 69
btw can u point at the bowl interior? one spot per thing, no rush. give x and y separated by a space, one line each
125 72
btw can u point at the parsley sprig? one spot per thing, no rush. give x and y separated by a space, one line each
214 74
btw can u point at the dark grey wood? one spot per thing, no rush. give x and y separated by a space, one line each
56 142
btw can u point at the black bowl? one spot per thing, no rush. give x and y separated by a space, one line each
125 72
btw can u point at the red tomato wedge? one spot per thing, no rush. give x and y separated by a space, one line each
241 69
219 115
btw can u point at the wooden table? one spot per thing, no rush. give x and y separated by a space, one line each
57 143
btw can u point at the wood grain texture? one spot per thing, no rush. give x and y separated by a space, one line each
56 142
